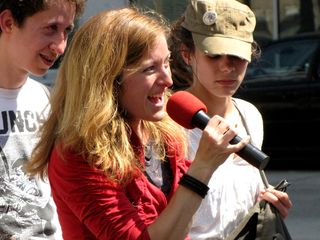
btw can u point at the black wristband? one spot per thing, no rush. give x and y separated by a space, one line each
194 185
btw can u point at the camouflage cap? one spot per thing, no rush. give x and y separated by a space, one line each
221 27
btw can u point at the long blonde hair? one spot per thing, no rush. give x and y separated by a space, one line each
85 114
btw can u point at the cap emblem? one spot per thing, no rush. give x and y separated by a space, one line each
209 17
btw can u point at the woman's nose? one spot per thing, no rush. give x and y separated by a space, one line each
227 63
166 76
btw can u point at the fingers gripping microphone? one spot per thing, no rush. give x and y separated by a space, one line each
190 112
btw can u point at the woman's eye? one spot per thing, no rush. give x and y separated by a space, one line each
236 58
168 62
148 69
214 56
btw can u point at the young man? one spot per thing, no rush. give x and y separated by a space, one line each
33 34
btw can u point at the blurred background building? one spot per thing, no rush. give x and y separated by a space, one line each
276 19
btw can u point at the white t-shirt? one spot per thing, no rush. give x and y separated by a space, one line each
27 210
234 186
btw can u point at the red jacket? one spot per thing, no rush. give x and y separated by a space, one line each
90 207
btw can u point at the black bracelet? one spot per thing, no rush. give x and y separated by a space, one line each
194 185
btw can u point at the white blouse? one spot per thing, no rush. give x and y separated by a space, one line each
234 186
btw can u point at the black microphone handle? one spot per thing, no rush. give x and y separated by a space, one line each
250 153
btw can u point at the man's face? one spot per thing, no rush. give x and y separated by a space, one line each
42 38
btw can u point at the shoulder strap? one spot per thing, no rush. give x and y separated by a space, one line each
243 230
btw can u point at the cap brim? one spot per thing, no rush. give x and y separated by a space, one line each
215 45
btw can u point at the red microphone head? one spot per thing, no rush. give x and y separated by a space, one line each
182 106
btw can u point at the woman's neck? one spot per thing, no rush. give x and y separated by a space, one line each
222 106
140 131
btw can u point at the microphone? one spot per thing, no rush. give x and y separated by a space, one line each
190 112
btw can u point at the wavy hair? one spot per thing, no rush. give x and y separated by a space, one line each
85 113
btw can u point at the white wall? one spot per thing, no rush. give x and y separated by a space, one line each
95 6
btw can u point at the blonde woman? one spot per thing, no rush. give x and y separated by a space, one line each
113 157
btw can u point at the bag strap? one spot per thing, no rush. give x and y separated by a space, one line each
264 178
281 186
252 211
253 219
255 210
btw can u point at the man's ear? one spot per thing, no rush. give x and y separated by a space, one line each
185 53
6 21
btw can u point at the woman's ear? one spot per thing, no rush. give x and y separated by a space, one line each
185 53
6 21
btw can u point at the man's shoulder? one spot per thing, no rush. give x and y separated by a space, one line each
36 85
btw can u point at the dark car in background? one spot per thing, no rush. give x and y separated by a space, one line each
284 84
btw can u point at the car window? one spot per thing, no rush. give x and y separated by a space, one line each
283 59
